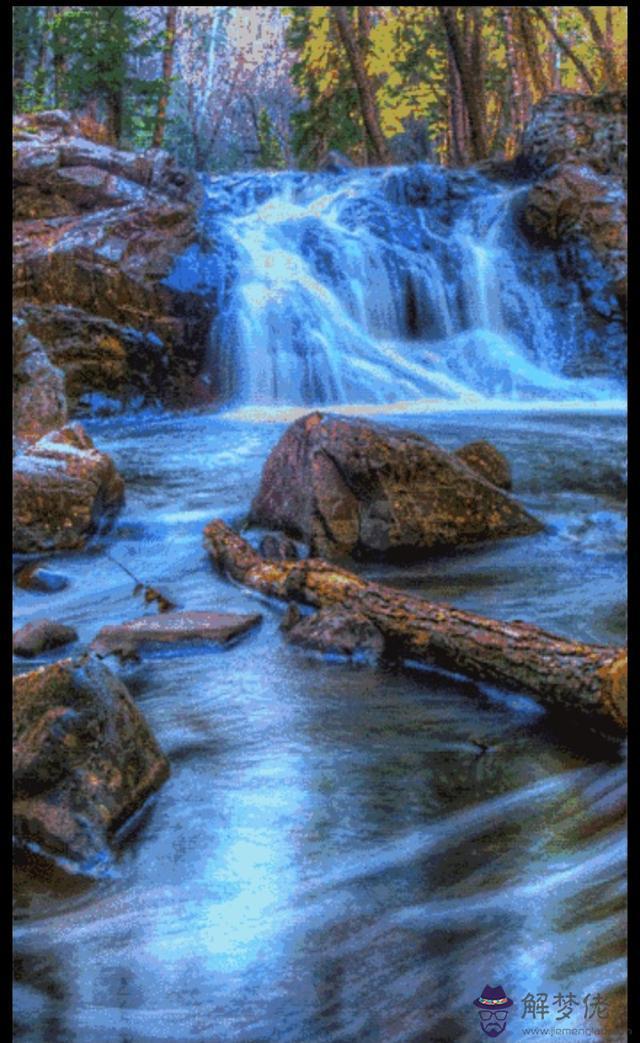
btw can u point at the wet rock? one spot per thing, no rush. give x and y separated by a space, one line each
170 628
84 759
39 402
97 355
40 636
350 487
278 548
487 461
335 631
574 203
98 230
64 490
31 576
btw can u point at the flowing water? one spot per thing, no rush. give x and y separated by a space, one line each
334 858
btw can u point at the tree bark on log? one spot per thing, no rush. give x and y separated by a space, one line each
579 679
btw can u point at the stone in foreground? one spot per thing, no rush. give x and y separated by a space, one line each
351 487
169 628
84 759
64 490
41 635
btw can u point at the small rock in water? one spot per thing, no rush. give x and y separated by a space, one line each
487 461
334 630
33 577
125 639
40 636
278 548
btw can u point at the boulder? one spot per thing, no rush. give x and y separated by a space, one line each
334 631
577 128
487 461
41 635
64 490
170 628
350 487
84 759
97 230
39 402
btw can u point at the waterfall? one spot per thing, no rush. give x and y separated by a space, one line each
383 286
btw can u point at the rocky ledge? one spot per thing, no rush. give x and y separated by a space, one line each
96 232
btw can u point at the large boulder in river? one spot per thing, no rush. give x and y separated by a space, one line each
64 490
84 759
97 230
350 487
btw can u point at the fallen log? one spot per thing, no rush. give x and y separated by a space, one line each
575 678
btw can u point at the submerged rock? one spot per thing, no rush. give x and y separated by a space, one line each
334 631
278 548
169 628
84 759
487 461
40 636
64 490
31 576
350 487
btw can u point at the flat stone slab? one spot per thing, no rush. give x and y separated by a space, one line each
167 628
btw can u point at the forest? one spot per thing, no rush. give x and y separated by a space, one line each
233 88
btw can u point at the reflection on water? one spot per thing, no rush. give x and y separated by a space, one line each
334 858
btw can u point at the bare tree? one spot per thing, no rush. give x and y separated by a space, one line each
566 48
466 61
167 73
604 45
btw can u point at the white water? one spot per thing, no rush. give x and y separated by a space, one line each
337 293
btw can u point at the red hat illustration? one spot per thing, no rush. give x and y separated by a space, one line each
493 999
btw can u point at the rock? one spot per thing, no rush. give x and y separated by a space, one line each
575 146
336 631
126 639
98 230
278 548
487 461
577 128
41 635
84 760
31 576
349 487
64 490
98 355
335 162
39 402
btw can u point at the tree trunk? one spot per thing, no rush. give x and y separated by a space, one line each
458 133
565 48
59 44
527 35
167 73
579 679
517 101
604 45
363 85
470 88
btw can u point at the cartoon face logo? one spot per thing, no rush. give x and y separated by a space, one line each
493 1008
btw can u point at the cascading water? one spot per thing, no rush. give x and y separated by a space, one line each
382 286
